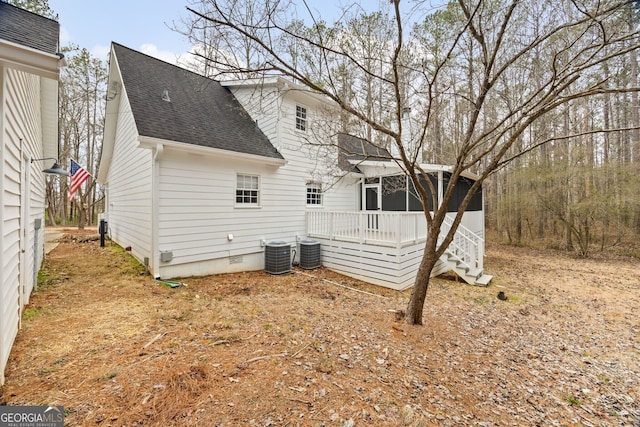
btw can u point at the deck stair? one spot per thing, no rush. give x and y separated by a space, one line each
465 255
470 275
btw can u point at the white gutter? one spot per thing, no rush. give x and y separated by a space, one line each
390 164
150 142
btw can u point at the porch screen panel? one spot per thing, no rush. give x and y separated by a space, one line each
394 195
462 186
414 200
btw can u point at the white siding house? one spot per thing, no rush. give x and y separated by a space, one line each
201 174
173 194
29 69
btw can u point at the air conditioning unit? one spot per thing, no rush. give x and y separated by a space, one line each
277 257
309 254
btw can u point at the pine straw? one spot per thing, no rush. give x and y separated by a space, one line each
119 349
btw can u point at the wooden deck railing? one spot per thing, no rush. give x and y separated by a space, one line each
394 229
466 244
378 228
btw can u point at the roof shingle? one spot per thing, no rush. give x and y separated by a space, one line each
28 29
355 148
200 110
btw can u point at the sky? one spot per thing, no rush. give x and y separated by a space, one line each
142 25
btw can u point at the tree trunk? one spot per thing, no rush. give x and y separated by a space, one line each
419 294
51 213
569 193
635 103
82 214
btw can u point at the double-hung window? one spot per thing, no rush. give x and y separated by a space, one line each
301 118
314 194
247 190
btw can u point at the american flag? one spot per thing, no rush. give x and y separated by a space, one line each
78 176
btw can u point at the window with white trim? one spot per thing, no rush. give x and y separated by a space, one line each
247 190
314 194
301 118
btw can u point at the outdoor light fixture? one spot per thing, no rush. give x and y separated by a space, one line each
56 169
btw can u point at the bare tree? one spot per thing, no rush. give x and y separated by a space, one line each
481 71
583 188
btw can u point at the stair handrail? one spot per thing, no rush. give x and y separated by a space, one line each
471 248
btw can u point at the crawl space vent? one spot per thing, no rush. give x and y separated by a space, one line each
309 254
277 257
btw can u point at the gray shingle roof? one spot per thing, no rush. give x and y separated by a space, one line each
354 148
201 111
28 29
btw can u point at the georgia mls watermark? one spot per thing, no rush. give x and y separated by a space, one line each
31 416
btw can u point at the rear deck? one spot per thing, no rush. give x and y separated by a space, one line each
383 248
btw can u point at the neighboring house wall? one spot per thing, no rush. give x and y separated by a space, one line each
29 72
129 190
22 199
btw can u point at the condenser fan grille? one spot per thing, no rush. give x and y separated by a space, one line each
277 258
309 254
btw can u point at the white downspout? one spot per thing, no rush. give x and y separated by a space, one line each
440 188
155 211
406 193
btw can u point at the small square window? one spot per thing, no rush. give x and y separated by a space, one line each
314 194
247 190
301 118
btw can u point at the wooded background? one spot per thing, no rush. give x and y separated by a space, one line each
579 191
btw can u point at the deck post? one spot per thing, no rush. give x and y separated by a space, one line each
331 221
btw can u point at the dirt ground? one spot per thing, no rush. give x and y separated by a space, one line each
116 348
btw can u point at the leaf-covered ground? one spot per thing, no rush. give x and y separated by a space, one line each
116 348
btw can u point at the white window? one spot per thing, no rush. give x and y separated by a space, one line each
301 118
247 190
314 194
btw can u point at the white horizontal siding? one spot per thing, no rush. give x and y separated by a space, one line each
49 102
276 114
263 104
342 196
198 210
129 185
22 198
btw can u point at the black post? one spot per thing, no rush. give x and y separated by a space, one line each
103 231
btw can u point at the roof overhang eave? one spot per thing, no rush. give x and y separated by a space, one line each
424 166
152 142
282 84
33 61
